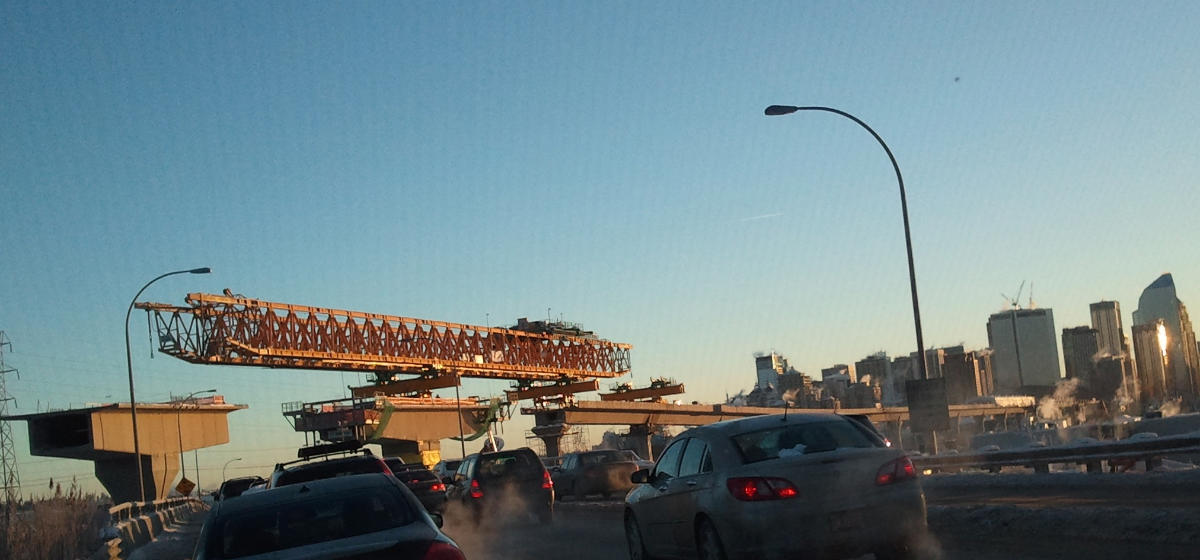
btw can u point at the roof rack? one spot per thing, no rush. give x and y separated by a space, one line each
325 451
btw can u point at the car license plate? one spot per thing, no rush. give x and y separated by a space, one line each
846 521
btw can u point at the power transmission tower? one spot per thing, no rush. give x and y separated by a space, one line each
8 453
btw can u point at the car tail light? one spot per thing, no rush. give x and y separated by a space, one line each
476 491
895 471
758 488
547 482
443 551
437 487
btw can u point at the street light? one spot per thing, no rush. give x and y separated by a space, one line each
137 448
227 466
775 110
179 432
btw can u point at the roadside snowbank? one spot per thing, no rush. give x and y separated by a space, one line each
1116 524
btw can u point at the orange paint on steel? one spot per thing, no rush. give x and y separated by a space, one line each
225 330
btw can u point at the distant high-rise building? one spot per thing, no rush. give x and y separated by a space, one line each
1025 349
840 369
1149 346
769 367
961 371
1081 348
902 369
1159 302
934 359
873 369
1114 380
987 378
1106 319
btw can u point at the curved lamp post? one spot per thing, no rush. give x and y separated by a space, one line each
137 448
775 110
227 466
179 432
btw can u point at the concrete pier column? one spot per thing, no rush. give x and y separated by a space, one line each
119 476
639 439
551 435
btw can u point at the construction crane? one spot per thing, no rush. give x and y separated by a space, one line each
235 330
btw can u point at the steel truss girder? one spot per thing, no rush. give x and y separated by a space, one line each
225 330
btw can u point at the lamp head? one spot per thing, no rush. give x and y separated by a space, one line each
775 110
204 270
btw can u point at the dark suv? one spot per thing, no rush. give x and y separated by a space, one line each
314 469
497 483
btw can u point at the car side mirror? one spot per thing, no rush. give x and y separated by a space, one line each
447 480
437 519
641 476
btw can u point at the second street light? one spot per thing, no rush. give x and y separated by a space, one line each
935 400
179 432
137 448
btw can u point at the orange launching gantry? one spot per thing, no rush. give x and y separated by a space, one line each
225 330
546 358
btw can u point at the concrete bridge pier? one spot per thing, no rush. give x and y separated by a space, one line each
158 473
639 439
551 435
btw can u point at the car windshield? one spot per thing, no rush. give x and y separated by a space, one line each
799 439
299 523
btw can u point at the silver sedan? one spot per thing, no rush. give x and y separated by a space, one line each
776 487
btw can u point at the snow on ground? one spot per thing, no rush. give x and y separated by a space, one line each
1116 524
1172 476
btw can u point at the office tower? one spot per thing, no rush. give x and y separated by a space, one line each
1182 361
1025 350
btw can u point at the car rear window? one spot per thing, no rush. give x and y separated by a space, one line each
416 475
301 523
799 439
329 469
500 466
601 458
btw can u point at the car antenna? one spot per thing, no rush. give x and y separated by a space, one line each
785 409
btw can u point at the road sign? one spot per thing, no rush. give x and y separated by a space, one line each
185 487
927 406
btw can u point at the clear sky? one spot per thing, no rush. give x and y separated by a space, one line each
609 161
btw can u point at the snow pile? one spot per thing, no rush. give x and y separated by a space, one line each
1173 475
1120 524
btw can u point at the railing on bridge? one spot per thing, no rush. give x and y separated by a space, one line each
1091 454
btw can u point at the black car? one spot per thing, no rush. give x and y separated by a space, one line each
425 486
234 487
326 467
504 482
355 517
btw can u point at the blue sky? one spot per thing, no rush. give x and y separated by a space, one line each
607 161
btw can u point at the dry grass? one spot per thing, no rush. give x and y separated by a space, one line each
63 527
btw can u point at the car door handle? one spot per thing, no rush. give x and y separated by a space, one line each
691 483
661 488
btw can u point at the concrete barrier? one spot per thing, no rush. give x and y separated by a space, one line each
139 523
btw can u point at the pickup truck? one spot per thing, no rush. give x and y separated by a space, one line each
604 472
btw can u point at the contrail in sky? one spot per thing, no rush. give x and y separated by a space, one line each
762 217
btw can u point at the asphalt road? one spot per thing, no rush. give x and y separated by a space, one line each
593 531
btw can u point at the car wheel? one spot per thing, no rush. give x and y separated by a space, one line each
633 537
708 542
